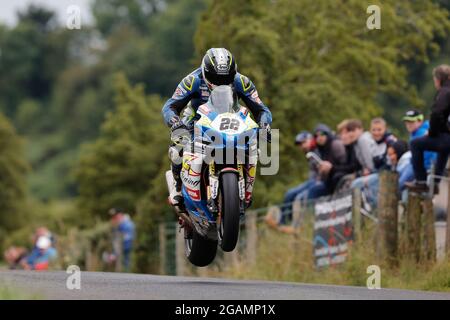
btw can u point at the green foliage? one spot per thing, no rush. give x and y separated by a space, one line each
295 263
315 60
57 84
27 113
13 170
117 169
312 61
125 167
113 14
151 209
32 54
160 55
8 293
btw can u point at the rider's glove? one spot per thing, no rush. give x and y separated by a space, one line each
178 131
266 127
177 125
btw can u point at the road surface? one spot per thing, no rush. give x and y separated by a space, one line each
98 285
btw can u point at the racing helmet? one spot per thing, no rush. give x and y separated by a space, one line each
218 67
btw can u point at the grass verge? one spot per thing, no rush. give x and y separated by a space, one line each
283 257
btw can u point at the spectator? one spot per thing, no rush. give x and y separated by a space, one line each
333 154
43 231
399 156
14 256
377 146
382 138
306 142
364 145
438 138
124 233
41 256
417 127
399 159
358 146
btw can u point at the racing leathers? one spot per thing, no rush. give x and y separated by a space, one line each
194 89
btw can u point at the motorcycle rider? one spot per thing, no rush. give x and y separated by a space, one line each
218 68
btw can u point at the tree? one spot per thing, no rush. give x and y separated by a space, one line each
160 55
174 43
125 166
13 170
32 54
315 60
110 15
118 168
56 84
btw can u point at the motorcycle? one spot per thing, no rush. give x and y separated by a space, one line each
218 172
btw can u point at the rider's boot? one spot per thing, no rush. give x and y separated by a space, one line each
250 172
175 197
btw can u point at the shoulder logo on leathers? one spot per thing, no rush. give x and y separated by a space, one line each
188 82
246 83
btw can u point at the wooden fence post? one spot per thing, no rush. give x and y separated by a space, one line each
119 251
447 242
252 236
180 257
162 248
356 198
429 233
420 244
297 209
413 213
388 216
231 259
88 256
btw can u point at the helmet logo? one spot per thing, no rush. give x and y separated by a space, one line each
222 68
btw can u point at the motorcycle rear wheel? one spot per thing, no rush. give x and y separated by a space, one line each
199 250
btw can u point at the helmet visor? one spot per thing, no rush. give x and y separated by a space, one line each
219 79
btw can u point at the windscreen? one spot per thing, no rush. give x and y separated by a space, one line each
221 100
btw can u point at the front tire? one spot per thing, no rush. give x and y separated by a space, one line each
230 212
200 251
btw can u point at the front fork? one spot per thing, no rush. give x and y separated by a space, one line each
213 187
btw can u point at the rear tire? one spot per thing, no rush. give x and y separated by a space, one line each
230 212
200 251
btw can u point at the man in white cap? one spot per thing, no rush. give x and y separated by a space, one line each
41 256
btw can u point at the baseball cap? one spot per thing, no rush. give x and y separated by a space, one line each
43 243
114 211
322 129
413 115
302 137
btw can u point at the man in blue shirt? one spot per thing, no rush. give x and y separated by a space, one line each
41 256
417 127
124 231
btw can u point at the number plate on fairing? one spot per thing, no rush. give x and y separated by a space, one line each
229 123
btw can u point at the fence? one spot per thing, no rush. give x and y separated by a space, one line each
172 246
174 262
87 248
402 230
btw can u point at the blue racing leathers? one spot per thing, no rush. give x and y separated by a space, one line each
193 89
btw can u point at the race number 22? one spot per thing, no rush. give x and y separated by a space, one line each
228 123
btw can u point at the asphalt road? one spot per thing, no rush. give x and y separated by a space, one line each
97 285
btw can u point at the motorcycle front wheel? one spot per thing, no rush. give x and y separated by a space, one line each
228 231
